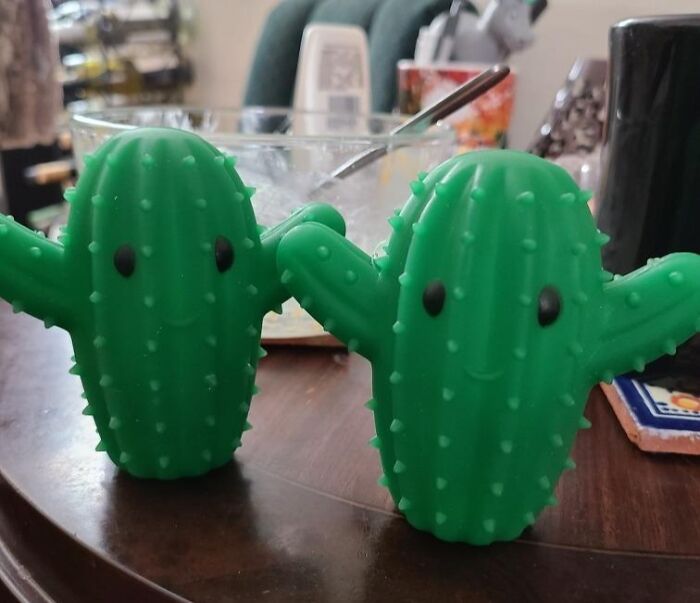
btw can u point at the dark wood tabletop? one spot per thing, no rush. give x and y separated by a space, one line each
298 515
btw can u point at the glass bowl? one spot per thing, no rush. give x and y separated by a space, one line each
285 154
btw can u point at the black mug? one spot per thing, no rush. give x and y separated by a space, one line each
649 197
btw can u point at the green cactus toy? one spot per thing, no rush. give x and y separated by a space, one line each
487 322
162 279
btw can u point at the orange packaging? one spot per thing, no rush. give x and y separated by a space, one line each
482 123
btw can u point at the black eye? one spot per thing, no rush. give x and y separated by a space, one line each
125 260
223 252
434 297
548 306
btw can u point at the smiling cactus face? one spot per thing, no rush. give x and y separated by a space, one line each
162 232
513 286
486 323
162 280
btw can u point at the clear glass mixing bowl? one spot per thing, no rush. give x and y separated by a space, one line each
285 155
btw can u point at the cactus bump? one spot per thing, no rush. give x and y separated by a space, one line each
487 321
162 279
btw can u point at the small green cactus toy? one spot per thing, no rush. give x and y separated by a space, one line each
487 322
162 279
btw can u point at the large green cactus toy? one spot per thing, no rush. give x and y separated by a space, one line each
162 279
487 322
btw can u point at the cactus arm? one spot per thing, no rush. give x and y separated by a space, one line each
272 291
647 313
335 282
31 273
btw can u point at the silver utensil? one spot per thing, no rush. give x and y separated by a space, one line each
447 105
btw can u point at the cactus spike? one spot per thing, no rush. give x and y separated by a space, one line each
417 188
396 426
396 222
382 262
444 441
602 239
585 196
69 194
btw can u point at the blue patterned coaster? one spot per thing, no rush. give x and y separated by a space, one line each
659 408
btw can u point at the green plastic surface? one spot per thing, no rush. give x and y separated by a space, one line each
478 395
162 280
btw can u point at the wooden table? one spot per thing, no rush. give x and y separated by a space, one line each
298 515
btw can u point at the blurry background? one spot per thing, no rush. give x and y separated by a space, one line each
567 29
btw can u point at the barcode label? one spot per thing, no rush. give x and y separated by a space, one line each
341 68
343 104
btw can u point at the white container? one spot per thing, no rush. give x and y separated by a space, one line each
333 78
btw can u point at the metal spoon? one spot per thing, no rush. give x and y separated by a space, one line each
447 105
